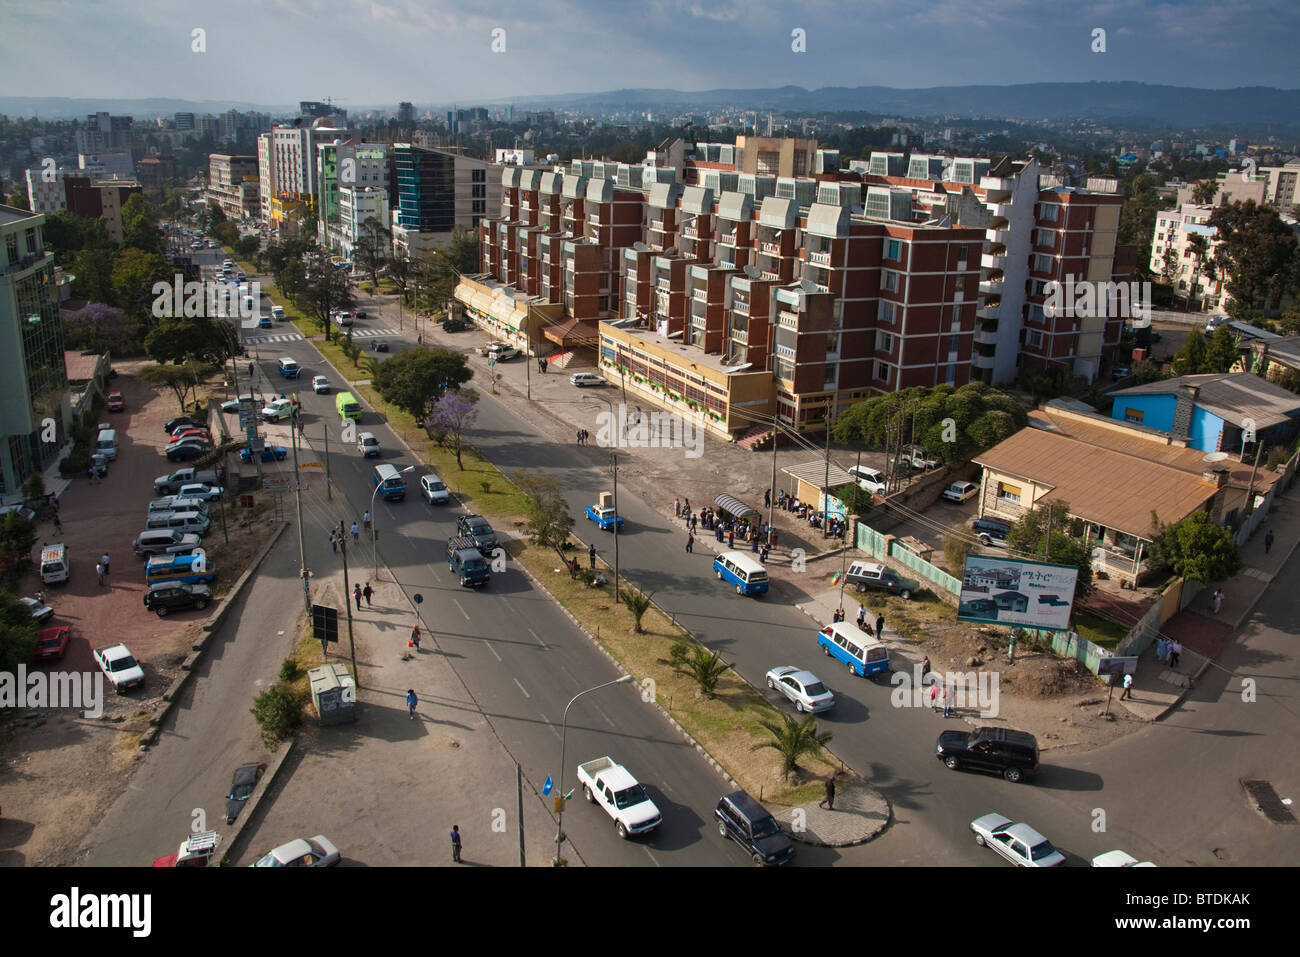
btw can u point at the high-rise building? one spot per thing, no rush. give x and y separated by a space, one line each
405 113
31 352
183 121
103 133
438 192
343 166
233 186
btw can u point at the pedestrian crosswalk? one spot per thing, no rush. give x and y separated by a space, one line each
363 333
295 337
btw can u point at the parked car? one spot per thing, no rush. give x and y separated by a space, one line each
581 379
871 576
120 667
51 643
1213 323
318 851
321 385
1120 372
379 345
1012 754
871 480
188 421
277 409
749 824
189 433
803 688
991 531
115 402
241 787
188 450
455 325
40 611
1119 859
165 541
176 596
270 453
433 490
502 352
1018 843
232 405
200 491
961 491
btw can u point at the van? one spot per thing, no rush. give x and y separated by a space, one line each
289 368
367 444
737 568
752 826
164 541
871 480
193 569
850 645
195 522
54 564
347 406
466 562
391 485
106 444
178 503
277 313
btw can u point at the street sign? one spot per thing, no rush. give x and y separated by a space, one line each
547 786
419 600
559 804
275 485
325 623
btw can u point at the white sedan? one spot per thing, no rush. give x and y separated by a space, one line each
961 491
802 687
320 384
586 378
40 612
316 851
201 491
1119 859
1018 843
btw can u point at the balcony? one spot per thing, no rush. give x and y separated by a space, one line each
768 274
698 310
996 261
728 239
663 282
981 362
820 259
690 232
1002 236
657 224
740 306
986 337
788 319
1003 210
986 313
740 335
771 249
700 295
992 287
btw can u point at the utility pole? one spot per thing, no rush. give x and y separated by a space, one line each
771 508
826 490
347 600
613 461
303 573
329 490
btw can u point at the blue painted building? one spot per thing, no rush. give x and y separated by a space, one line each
1214 413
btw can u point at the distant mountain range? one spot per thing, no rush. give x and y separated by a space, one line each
1118 102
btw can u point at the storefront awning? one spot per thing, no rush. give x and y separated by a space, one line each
735 506
572 332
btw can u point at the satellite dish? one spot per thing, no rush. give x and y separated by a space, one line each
1216 457
753 272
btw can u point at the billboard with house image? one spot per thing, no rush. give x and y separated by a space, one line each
1012 591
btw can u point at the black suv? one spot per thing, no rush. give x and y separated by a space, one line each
990 531
173 424
477 528
1013 754
176 596
455 325
747 822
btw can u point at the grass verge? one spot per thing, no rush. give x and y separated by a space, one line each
1100 631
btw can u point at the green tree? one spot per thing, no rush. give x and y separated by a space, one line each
856 499
325 290
1203 193
1192 358
17 633
1146 371
549 521
140 226
414 379
278 712
638 603
693 661
226 233
1196 549
202 340
1043 534
956 546
440 271
93 269
1223 351
1256 252
793 739
134 275
17 536
373 248
1289 321
182 379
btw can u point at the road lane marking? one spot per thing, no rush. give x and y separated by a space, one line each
599 710
539 639
462 610
521 687
651 856
549 725
494 652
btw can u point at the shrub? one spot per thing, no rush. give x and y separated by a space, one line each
288 669
278 711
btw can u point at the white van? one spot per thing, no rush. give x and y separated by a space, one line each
54 564
185 522
277 313
106 444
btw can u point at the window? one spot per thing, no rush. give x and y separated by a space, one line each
882 371
1049 213
11 246
962 252
30 236
478 191
1133 415
1009 492
478 176
1042 263
1033 338
953 343
961 286
830 373
884 341
769 161
893 249
886 311
890 281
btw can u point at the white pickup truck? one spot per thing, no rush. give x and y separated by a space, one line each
614 789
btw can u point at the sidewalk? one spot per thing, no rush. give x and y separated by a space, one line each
1157 688
448 763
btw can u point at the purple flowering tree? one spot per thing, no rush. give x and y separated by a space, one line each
453 414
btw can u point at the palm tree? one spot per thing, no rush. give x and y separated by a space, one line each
1203 192
793 739
638 603
696 662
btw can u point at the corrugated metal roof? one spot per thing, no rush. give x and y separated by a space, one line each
814 473
1110 488
1232 396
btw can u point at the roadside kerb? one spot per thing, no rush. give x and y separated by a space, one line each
252 804
210 627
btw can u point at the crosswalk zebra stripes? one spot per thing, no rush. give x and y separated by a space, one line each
295 336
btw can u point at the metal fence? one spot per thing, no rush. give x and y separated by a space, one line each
882 546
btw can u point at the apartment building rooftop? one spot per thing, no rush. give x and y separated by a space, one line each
9 214
673 343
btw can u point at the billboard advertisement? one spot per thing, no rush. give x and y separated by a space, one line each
1012 591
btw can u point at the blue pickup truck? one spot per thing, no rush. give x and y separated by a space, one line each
604 517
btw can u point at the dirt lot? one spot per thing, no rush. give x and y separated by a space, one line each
61 769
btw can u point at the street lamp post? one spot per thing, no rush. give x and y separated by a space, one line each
374 532
564 731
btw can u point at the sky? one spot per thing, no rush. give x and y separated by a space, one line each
368 53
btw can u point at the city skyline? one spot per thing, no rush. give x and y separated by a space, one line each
443 52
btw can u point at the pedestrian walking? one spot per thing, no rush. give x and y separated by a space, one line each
925 668
1268 542
1161 650
695 522
934 696
300 425
92 474
99 570
1175 652
753 545
1218 600
580 436
58 526
367 591
862 615
591 554
880 626
356 533
677 508
334 540
767 498
455 844
411 701
415 636
731 539
828 801
365 519
356 594
1128 686
948 694
690 542
103 560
